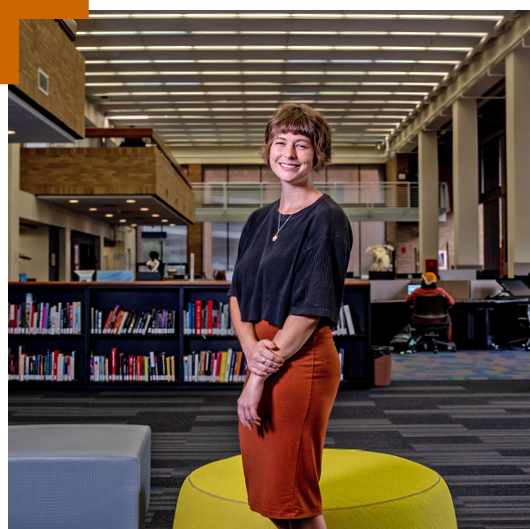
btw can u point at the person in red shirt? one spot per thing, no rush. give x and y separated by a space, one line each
429 288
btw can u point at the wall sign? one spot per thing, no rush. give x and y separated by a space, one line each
154 235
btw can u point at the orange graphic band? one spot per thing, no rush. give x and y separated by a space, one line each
30 9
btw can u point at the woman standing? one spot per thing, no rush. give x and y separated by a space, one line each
286 294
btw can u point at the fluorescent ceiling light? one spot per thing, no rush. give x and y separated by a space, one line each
125 33
129 117
365 16
273 48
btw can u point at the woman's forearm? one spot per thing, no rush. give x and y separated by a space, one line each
294 334
244 330
261 360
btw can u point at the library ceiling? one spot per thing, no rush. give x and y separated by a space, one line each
207 79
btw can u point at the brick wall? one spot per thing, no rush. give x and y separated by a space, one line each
105 171
43 44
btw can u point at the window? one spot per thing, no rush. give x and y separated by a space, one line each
171 247
223 238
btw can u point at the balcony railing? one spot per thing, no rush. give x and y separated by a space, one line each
364 195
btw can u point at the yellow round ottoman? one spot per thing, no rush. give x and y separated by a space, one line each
360 490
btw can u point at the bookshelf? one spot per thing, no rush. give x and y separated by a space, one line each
159 353
45 331
218 338
137 342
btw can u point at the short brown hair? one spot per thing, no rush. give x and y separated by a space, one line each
298 118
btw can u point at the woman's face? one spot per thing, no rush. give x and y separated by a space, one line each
291 157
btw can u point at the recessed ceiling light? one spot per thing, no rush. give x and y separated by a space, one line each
144 209
109 215
172 224
130 201
134 225
92 209
11 132
155 215
163 220
123 220
73 201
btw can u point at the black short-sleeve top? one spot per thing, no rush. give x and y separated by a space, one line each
302 272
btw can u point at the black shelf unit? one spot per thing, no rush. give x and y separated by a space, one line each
38 344
169 295
134 297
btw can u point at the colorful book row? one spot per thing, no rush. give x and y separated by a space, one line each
209 366
209 318
345 324
120 321
121 367
54 366
42 318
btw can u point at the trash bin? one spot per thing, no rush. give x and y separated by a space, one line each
382 358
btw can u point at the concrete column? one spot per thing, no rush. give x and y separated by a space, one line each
65 254
518 160
195 239
465 183
428 196
100 252
13 210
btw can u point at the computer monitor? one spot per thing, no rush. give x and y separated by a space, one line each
515 287
412 287
85 275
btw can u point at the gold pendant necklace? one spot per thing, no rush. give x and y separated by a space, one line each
280 227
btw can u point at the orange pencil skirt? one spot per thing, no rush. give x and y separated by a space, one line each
282 459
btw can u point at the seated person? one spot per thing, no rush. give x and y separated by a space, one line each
429 288
154 264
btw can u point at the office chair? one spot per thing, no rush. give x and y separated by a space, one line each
524 322
430 316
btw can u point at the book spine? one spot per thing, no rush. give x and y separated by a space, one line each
113 355
198 315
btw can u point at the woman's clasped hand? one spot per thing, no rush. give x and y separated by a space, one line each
247 404
262 361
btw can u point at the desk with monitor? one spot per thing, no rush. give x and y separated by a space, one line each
484 316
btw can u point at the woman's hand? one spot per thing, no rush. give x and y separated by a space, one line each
261 360
247 404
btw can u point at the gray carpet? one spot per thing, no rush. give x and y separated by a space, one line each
475 434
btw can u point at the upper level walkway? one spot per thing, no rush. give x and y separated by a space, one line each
362 201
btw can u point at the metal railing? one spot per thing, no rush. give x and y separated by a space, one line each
348 194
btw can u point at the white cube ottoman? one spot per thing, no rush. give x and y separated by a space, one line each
82 476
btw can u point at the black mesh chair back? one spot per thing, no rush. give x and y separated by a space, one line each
430 316
431 308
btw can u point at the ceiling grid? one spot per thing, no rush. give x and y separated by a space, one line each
213 79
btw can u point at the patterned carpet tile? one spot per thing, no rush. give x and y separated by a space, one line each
475 434
462 365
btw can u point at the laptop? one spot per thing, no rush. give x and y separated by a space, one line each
412 287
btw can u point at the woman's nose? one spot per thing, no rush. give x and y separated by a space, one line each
291 151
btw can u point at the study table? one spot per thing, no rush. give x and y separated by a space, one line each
477 323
